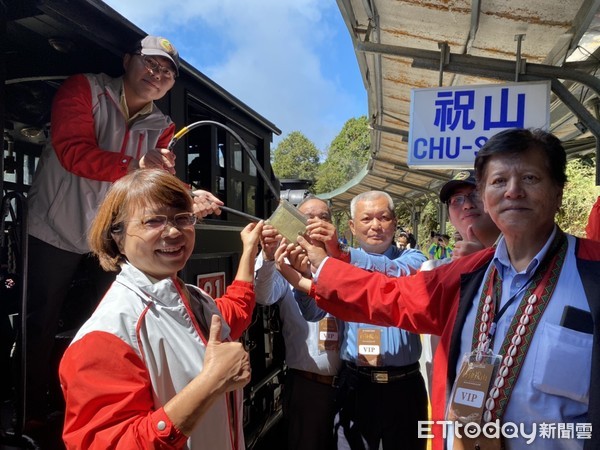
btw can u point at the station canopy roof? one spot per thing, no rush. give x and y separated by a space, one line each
401 45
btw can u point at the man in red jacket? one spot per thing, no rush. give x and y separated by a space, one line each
101 129
527 310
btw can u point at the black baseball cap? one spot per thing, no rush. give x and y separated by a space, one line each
462 178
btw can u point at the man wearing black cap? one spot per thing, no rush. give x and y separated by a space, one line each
476 229
466 213
102 128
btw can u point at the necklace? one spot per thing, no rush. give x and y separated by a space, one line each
520 333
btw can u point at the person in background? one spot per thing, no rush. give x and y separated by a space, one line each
156 365
530 305
473 225
440 247
434 243
467 215
402 240
101 129
382 392
412 241
448 246
312 353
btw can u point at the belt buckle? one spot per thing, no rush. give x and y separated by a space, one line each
335 382
379 377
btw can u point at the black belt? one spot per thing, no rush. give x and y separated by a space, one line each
330 380
383 374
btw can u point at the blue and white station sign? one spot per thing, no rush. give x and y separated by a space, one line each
449 125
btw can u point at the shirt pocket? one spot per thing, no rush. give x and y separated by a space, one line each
563 362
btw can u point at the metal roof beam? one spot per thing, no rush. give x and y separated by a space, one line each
427 173
405 168
584 115
504 69
412 186
479 66
398 131
473 65
582 22
475 13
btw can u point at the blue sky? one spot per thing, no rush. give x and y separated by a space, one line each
290 61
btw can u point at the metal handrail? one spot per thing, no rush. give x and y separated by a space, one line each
259 168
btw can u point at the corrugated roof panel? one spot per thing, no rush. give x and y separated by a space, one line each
415 29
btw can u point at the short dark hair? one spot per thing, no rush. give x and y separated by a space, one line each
412 241
519 140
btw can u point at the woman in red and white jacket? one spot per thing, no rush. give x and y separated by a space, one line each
155 365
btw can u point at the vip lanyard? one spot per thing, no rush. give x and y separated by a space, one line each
523 324
510 301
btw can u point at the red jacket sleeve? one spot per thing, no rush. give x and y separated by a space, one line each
592 228
74 136
109 400
166 136
420 303
237 306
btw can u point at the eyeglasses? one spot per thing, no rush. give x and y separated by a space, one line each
459 200
158 222
154 67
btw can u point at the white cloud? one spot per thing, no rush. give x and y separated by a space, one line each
267 53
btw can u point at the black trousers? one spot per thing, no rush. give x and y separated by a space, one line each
308 413
51 275
380 415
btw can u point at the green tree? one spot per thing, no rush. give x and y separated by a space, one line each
296 157
403 215
347 155
579 195
430 221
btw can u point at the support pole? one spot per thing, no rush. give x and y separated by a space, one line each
520 62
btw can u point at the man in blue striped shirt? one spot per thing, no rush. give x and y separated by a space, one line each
382 392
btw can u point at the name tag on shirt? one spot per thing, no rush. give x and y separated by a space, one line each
369 347
328 334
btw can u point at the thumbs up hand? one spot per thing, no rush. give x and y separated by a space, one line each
469 244
227 362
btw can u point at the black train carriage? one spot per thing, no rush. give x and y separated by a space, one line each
43 42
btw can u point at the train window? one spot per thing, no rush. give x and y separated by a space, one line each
29 165
195 169
221 156
252 168
10 166
237 157
199 153
20 160
251 200
236 198
219 159
243 174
